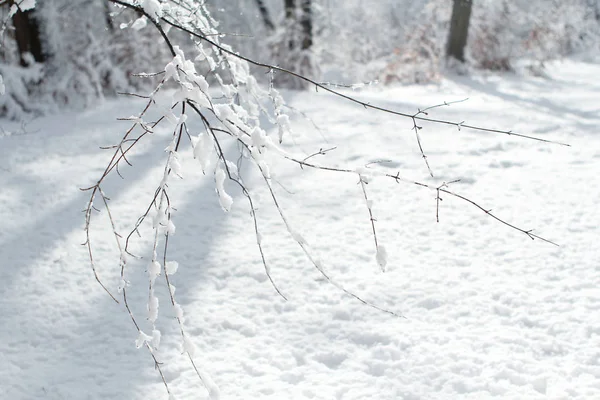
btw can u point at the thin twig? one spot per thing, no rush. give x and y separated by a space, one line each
368 203
350 98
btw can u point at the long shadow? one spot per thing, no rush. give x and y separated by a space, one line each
452 113
21 247
39 341
54 344
540 103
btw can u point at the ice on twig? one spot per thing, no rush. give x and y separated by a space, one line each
142 339
139 23
156 335
224 199
381 257
153 8
153 308
297 237
203 148
178 311
188 346
122 285
171 267
154 268
213 390
170 227
259 137
283 122
175 164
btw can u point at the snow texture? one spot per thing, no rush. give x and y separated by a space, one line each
490 314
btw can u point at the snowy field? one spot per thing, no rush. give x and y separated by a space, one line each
489 313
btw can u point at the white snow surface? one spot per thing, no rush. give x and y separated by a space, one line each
489 313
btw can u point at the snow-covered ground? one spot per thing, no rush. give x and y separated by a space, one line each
488 312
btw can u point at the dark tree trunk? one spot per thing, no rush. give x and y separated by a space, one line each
299 20
27 35
290 9
459 29
294 52
306 23
266 16
110 25
290 22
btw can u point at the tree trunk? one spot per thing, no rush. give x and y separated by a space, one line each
294 50
290 22
307 24
27 35
110 25
290 9
299 21
266 16
459 29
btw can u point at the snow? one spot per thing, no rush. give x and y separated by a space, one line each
27 4
224 199
488 312
142 339
171 267
153 8
139 23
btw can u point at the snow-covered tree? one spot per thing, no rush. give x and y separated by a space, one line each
68 57
80 57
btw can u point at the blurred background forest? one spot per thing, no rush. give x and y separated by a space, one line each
70 53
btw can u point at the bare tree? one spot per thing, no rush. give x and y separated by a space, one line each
459 29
